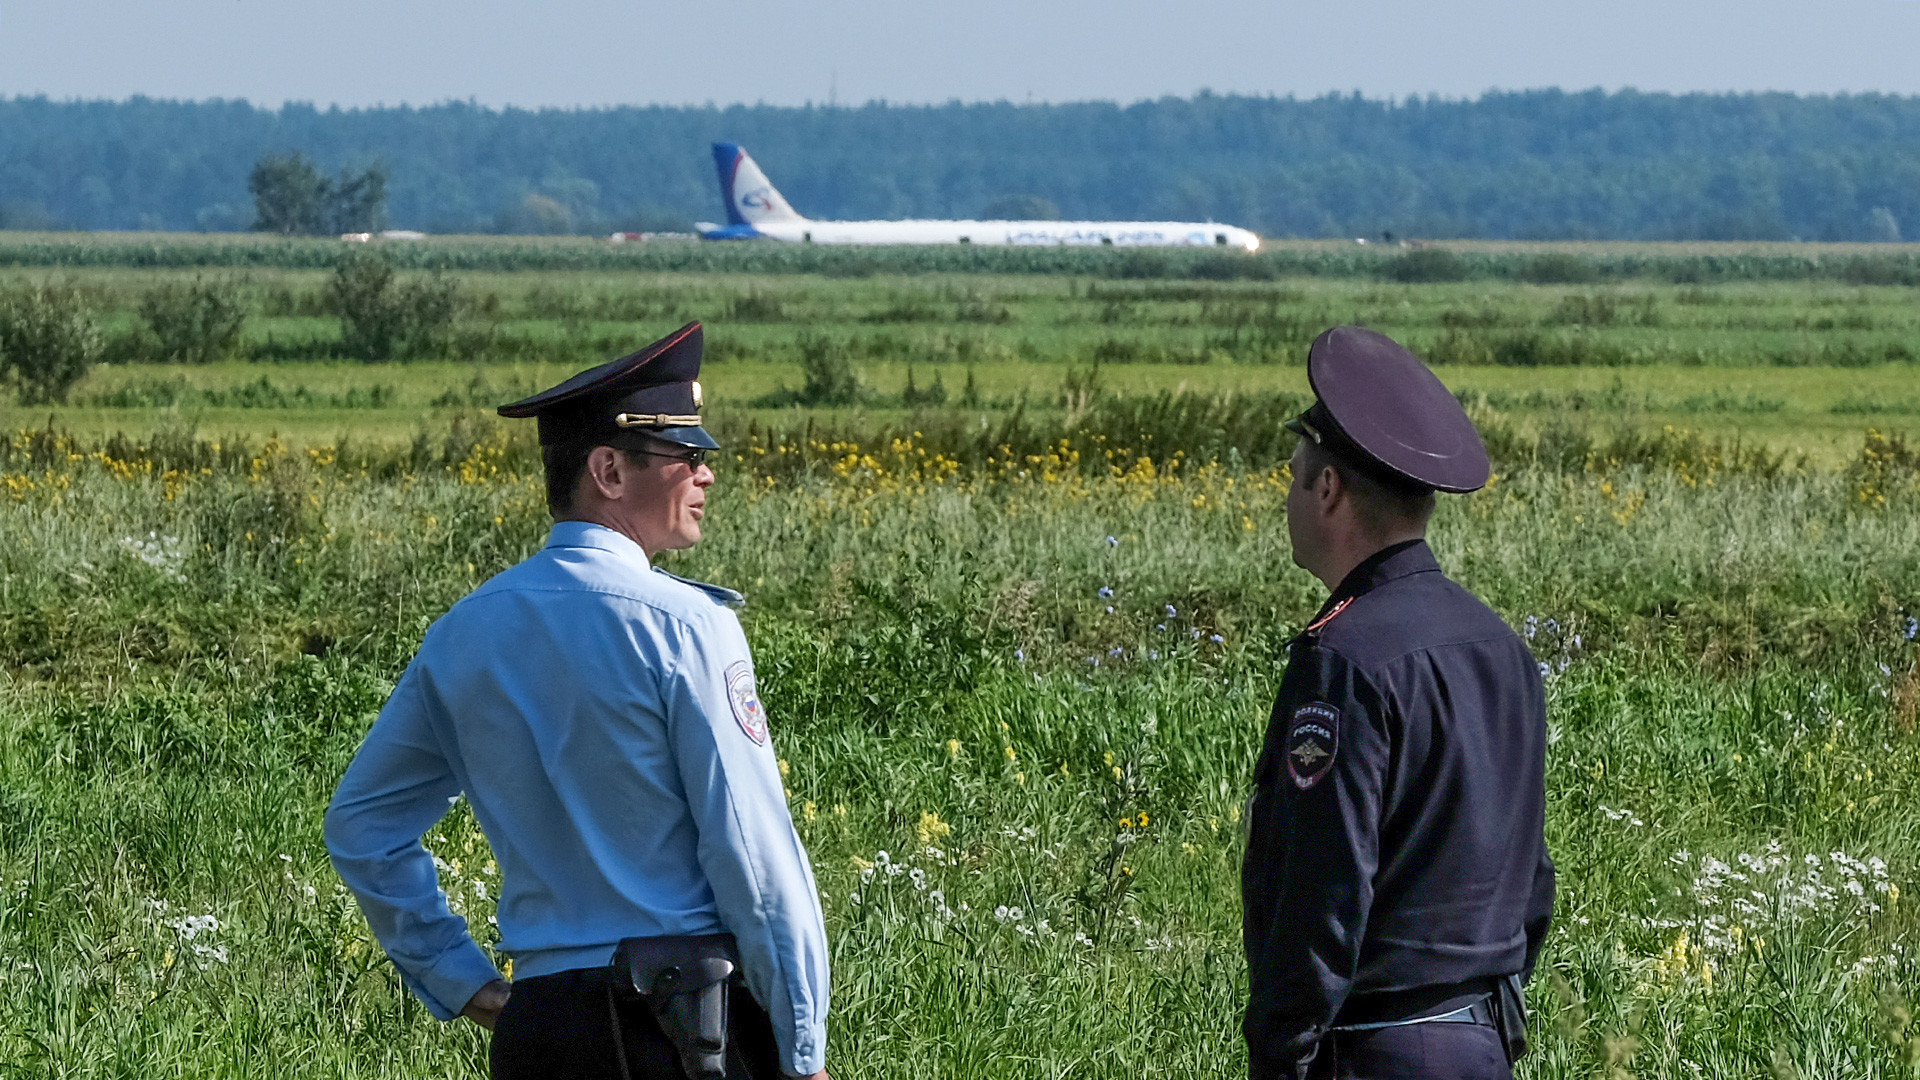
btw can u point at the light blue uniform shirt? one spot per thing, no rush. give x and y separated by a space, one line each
600 716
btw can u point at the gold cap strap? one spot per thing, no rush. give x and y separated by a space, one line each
631 420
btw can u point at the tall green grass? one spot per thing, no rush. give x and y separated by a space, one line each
1019 699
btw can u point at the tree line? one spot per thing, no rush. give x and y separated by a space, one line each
1528 165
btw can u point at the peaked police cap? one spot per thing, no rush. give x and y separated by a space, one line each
1377 403
655 391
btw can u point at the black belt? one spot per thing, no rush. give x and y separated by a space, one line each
1475 1012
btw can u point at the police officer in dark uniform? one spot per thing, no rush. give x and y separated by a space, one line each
1397 886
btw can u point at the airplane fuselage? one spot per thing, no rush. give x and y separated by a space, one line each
755 209
1013 233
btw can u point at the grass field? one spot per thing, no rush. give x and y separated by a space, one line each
1021 795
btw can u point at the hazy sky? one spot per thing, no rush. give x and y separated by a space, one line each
604 52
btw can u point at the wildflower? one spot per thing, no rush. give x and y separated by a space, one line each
1160 626
1106 592
1009 752
1020 655
1020 778
931 828
1216 639
1912 630
1171 613
1116 651
785 769
953 749
1113 541
882 859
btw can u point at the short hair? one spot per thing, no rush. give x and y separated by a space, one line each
565 462
1387 503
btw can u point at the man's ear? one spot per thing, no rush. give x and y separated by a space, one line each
607 471
1330 487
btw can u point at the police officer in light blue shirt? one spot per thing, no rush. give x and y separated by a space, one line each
601 718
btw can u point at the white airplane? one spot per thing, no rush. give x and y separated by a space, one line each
755 209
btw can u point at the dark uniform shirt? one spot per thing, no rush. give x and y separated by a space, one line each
1396 859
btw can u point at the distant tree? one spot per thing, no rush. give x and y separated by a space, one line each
541 214
1021 208
25 215
291 197
359 203
1883 226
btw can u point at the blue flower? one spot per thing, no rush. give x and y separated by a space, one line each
1020 655
1106 592
1913 628
1116 651
1171 613
1216 639
1546 669
1153 654
1161 626
1113 541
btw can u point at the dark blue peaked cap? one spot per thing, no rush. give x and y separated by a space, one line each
1381 406
654 391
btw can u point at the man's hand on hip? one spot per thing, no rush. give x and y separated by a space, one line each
487 1002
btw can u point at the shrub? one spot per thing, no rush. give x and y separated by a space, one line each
48 339
830 378
381 319
1559 268
935 394
1426 264
196 323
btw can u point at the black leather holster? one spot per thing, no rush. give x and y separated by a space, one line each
1510 1016
683 981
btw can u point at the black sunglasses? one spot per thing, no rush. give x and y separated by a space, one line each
694 456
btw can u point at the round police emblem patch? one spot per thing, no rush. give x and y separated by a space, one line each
1313 738
746 701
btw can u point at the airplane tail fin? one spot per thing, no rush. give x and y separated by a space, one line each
750 197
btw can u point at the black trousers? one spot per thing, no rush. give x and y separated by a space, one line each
559 1027
1413 1052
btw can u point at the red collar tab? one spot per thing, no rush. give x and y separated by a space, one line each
1315 625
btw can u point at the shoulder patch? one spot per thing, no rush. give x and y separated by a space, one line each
745 699
718 592
1313 740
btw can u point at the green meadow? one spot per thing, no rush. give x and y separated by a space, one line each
1018 630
